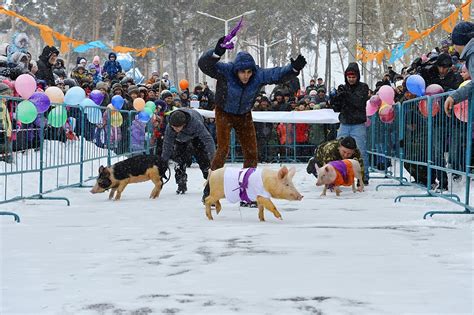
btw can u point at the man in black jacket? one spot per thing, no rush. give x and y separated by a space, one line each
441 73
186 129
350 101
46 61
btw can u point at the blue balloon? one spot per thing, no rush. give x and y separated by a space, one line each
87 102
416 85
94 115
173 90
74 96
117 102
143 117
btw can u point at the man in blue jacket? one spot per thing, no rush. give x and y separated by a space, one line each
238 84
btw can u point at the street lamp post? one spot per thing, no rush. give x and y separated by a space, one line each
265 48
226 24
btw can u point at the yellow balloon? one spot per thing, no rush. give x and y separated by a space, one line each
116 119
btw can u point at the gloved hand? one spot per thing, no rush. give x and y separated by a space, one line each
333 92
299 63
220 51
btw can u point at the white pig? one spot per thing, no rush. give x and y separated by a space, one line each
275 184
340 173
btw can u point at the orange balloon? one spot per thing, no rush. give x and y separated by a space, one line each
139 104
55 94
183 84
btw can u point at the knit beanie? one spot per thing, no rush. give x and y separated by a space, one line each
462 33
3 87
349 142
177 118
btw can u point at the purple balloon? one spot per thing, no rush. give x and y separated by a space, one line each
96 96
375 101
41 119
41 101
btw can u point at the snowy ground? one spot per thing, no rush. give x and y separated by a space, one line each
357 254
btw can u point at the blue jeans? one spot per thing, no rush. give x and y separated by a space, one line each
359 133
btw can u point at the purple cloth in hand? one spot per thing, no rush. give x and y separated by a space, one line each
227 44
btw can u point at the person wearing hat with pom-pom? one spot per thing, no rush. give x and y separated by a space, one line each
186 127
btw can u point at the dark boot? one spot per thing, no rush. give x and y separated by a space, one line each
252 204
181 179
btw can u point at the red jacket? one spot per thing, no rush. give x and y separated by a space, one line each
302 133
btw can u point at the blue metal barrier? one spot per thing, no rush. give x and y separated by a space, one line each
39 159
436 150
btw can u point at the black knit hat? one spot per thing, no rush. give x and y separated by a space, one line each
444 60
177 118
349 142
462 33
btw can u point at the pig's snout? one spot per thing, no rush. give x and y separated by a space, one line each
96 189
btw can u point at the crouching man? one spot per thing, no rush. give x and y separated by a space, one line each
334 150
187 136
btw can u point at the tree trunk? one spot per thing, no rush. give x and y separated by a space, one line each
119 23
381 27
327 73
186 59
13 19
316 57
68 55
174 62
341 57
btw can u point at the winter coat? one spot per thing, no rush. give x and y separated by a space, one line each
138 135
468 55
448 82
232 95
302 133
112 67
194 128
17 46
350 100
45 69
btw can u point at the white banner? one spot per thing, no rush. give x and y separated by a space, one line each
319 116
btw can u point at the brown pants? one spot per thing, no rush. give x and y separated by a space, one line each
245 131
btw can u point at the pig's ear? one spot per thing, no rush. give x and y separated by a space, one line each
282 172
101 169
291 172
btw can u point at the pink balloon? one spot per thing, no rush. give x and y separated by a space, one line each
370 108
386 94
461 111
375 100
25 85
423 107
433 89
368 122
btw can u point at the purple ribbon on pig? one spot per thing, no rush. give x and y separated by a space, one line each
244 184
227 44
